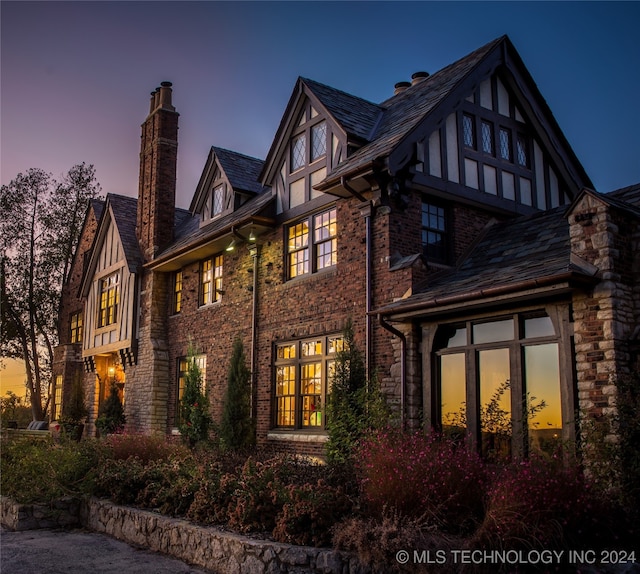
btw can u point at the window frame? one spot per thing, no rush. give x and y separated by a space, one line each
76 324
177 283
444 252
201 359
107 306
295 366
303 173
309 248
210 290
519 443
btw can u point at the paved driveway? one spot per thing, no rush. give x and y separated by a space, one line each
80 551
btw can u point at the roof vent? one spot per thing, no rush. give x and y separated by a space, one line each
401 87
418 77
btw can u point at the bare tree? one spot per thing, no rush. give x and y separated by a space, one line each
40 223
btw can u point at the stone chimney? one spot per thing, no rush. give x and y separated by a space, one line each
157 185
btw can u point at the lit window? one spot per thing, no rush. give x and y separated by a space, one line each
322 243
109 300
487 370
211 280
302 379
434 231
183 367
76 327
56 408
177 292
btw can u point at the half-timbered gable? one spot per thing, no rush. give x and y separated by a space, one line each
228 181
320 128
109 284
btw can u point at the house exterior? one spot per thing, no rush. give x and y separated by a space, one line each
452 224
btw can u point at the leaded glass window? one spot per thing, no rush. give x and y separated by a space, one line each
318 141
298 152
505 144
487 137
468 132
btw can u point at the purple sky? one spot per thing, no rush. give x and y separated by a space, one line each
76 76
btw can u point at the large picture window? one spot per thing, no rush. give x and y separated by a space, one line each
303 371
312 244
499 381
109 299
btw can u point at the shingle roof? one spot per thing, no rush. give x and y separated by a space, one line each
357 116
404 111
242 170
629 195
190 234
124 211
509 254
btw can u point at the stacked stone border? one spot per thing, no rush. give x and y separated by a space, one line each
215 550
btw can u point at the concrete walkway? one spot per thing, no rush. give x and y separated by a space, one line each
80 551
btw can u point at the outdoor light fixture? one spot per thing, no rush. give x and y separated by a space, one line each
252 237
112 371
231 245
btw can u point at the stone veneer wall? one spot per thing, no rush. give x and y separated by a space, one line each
215 550
604 316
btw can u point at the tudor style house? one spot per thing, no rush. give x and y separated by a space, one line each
452 224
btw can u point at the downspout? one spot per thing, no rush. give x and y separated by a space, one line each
255 254
403 364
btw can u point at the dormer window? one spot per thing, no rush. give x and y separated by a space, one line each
218 200
306 161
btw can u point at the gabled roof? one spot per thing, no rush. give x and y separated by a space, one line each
407 109
124 211
630 195
121 211
357 117
391 144
524 253
190 237
241 171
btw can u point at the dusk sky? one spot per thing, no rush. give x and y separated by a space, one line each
76 76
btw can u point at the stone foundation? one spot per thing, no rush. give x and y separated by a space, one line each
215 550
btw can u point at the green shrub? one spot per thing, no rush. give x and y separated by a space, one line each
237 429
111 418
354 405
195 419
40 471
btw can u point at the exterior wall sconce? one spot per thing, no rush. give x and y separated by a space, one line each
231 245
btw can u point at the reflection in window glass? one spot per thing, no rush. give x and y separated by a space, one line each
538 327
493 332
542 380
495 402
453 393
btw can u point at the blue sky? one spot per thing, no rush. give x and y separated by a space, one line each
76 76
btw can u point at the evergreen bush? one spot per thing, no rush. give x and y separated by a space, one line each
354 405
195 419
237 428
111 417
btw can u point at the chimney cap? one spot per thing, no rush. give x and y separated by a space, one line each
418 77
166 84
401 87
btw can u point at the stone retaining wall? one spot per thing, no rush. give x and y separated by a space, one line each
215 550
62 513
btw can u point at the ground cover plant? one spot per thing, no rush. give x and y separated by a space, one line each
401 490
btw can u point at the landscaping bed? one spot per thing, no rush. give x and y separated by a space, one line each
428 497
